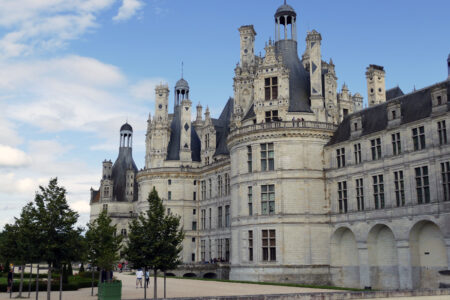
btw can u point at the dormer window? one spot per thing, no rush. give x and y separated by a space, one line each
439 100
356 126
394 113
271 88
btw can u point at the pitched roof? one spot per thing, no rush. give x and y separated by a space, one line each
123 163
414 106
222 127
394 93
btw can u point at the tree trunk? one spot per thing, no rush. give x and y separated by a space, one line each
99 280
60 282
49 281
92 288
145 283
164 284
12 285
37 283
155 283
21 281
29 281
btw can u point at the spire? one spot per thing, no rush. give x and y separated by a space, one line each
182 69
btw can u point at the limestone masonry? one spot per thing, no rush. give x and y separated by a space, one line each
295 181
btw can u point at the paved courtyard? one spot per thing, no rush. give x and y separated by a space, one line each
192 288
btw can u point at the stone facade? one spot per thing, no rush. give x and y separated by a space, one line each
295 181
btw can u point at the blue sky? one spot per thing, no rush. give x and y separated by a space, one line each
71 72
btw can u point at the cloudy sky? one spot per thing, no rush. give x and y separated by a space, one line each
71 72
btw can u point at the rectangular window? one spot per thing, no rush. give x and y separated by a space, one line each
378 191
357 153
342 196
271 115
227 250
340 156
193 257
418 135
227 216
268 199
219 248
396 145
399 188
250 200
210 188
194 225
210 218
360 194
269 245
203 189
422 185
445 173
271 88
194 211
219 217
267 157
203 219
249 159
169 195
194 196
105 208
250 245
219 186
227 184
442 132
202 250
209 249
375 147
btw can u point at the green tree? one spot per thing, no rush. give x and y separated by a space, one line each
103 243
60 241
155 239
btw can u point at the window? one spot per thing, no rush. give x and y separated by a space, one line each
219 248
345 112
360 194
445 172
203 219
250 200
227 216
194 225
106 192
123 232
271 115
357 153
227 184
209 249
267 156
399 188
340 156
168 211
268 245
202 249
219 217
193 239
227 250
250 245
194 211
418 135
378 191
442 132
194 196
169 195
105 208
396 144
422 185
169 182
375 146
207 160
219 186
249 159
203 189
271 88
210 217
207 141
193 256
268 199
342 196
209 187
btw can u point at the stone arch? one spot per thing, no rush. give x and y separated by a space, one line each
383 258
189 275
210 275
344 258
428 254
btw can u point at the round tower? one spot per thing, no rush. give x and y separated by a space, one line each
287 17
126 136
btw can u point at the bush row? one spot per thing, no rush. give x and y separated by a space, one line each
74 284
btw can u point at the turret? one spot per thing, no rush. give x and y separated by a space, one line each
376 91
247 34
313 40
184 106
107 169
181 91
126 136
357 102
286 19
161 103
198 119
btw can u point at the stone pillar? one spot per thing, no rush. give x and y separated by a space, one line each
285 27
364 268
404 265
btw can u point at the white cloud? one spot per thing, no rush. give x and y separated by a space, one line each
145 89
13 157
128 9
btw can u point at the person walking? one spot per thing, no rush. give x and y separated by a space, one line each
147 278
10 280
139 275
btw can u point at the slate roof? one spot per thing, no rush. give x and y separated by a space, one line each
222 127
95 196
126 126
299 82
123 163
394 93
250 114
414 106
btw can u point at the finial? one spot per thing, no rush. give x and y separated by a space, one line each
284 2
182 69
